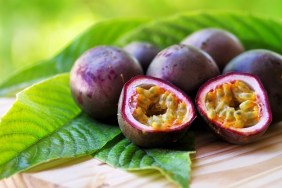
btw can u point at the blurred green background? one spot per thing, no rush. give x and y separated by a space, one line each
34 30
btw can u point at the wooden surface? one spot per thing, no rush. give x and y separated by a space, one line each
215 164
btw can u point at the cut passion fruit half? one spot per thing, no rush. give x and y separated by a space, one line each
235 106
153 112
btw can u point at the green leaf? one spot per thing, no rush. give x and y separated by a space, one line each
45 124
253 31
102 33
173 162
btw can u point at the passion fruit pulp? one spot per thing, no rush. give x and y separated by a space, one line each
235 106
152 112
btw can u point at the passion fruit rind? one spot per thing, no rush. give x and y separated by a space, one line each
228 126
97 78
220 44
144 52
147 134
184 66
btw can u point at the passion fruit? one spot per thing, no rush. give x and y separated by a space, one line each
144 52
152 112
221 45
267 65
97 78
235 106
184 66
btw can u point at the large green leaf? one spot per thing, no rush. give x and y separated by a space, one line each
173 162
253 31
45 124
102 33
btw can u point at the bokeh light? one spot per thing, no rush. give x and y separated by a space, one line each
34 30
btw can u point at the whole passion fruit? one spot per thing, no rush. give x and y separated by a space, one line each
221 45
235 106
97 78
152 112
267 65
144 52
184 66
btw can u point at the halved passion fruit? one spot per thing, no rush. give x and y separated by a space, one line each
235 106
152 112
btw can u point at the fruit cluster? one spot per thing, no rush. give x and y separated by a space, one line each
155 109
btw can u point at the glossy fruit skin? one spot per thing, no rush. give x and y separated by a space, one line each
221 45
184 66
150 138
236 136
267 65
97 78
144 52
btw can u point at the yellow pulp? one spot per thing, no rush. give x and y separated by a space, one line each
158 108
233 104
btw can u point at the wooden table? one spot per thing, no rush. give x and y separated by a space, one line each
215 164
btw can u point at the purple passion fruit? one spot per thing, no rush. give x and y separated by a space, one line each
152 112
144 52
184 66
221 45
267 65
235 106
97 78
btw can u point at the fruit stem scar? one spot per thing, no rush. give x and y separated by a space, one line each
122 78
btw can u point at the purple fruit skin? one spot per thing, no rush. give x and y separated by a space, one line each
151 138
97 78
267 65
184 66
221 45
232 136
144 52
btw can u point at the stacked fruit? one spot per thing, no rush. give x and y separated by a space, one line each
155 109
